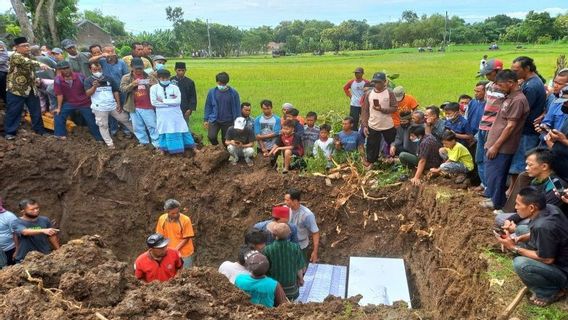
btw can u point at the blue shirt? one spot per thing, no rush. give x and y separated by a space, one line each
533 88
459 125
350 141
6 238
114 71
474 114
261 290
28 244
264 224
554 117
264 126
222 111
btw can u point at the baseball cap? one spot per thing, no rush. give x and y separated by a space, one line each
158 57
240 123
62 65
562 96
157 241
287 106
359 70
281 212
256 263
398 93
379 76
57 50
67 43
493 64
137 63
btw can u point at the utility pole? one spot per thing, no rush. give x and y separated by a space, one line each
445 28
208 37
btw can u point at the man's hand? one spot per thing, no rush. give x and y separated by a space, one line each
119 109
366 131
50 231
206 125
538 120
96 83
509 226
57 111
557 136
314 257
392 151
506 242
44 66
187 113
160 99
492 152
415 181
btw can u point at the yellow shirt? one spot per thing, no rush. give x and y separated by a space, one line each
459 153
177 231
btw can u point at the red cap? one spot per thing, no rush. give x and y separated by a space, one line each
281 212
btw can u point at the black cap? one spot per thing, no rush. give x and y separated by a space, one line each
19 40
379 76
62 65
137 63
163 73
180 65
157 240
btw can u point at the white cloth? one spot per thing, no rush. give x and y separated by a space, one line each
232 269
169 118
326 147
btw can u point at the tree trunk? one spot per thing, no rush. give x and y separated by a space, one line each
22 16
37 17
51 22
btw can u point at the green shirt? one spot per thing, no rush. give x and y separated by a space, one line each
286 259
459 153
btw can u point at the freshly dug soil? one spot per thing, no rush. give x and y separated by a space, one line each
118 195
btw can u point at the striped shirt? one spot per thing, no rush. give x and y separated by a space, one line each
286 259
494 98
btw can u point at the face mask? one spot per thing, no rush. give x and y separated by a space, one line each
165 83
416 140
97 74
149 70
159 66
222 88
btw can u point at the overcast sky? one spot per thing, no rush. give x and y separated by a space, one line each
147 15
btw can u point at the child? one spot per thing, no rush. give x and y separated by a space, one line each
174 136
266 128
290 144
324 144
457 158
456 123
311 133
293 114
187 88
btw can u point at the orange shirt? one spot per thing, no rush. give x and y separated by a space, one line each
407 104
148 269
176 231
300 119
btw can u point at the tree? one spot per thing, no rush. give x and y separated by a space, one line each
409 16
110 23
537 25
175 15
23 20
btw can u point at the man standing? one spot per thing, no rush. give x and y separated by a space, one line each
232 269
113 67
266 128
69 87
376 117
554 117
21 89
286 261
483 62
136 86
222 107
354 91
504 138
137 52
187 88
475 107
33 232
7 245
533 89
305 220
79 61
3 70
493 100
178 229
240 142
159 262
541 249
105 101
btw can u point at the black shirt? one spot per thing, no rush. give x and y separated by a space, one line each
549 236
245 136
188 95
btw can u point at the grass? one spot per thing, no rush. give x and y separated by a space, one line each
314 83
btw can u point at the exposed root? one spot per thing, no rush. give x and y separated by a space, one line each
53 293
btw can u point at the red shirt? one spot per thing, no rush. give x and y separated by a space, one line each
142 96
73 94
148 269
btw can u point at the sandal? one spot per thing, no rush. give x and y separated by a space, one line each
543 302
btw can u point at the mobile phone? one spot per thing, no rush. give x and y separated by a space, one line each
498 232
143 81
545 127
558 187
376 102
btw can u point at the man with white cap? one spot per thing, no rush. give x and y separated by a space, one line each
7 245
263 290
240 142
159 262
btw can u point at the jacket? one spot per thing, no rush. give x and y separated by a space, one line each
211 109
127 87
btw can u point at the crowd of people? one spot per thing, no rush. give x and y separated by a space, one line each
511 136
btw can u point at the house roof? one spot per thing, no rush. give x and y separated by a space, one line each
84 21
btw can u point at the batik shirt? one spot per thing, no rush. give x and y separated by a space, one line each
21 75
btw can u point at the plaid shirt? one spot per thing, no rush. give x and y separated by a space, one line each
21 75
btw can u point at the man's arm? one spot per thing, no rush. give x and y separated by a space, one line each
505 134
393 105
419 170
347 88
316 240
192 96
280 296
54 241
182 243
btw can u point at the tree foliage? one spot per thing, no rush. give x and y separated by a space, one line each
109 23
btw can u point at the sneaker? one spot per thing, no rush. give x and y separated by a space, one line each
460 179
10 137
487 203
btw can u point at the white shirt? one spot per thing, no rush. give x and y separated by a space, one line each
232 269
326 147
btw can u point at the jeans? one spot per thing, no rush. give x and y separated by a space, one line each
86 113
187 262
453 167
374 142
545 280
213 131
408 160
3 76
500 220
14 109
355 113
240 152
496 172
480 155
143 119
102 120
528 142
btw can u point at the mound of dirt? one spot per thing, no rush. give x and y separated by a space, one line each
118 194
